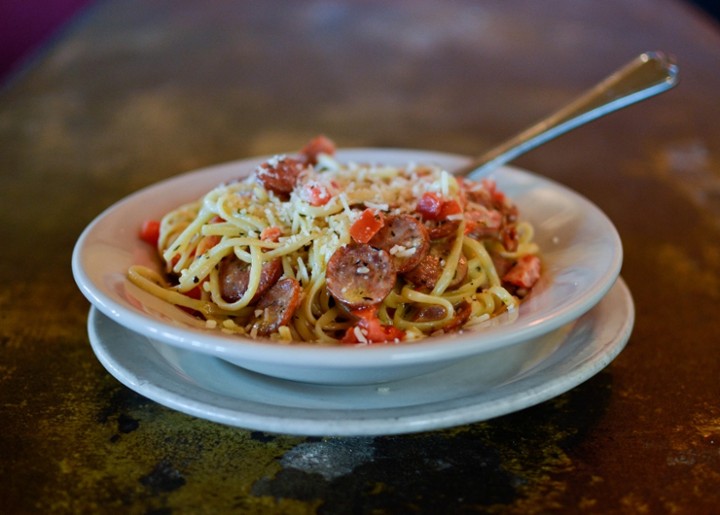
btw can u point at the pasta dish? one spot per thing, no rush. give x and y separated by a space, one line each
311 249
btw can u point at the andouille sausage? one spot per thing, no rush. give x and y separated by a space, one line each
438 229
280 174
360 275
277 306
405 238
426 274
234 278
434 312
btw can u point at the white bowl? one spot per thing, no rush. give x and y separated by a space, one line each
580 248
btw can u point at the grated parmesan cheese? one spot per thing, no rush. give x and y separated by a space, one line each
400 251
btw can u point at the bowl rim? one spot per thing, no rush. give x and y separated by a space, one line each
238 348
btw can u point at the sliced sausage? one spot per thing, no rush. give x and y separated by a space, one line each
360 275
463 310
434 312
510 238
405 238
234 277
428 271
438 229
277 306
280 174
460 273
502 264
429 313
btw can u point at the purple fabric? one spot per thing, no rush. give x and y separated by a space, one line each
26 24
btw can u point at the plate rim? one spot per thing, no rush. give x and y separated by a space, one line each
532 389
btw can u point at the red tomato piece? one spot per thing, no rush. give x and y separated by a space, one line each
271 233
150 232
524 273
206 244
315 194
496 195
432 206
316 146
372 329
448 208
366 226
196 294
429 206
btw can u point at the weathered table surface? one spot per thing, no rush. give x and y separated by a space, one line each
136 91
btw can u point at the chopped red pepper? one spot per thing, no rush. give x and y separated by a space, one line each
372 329
524 273
432 206
272 233
315 194
367 225
206 244
449 207
316 146
429 206
150 232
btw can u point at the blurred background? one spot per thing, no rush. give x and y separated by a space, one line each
26 25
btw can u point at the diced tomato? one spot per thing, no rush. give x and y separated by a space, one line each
210 241
495 194
488 220
470 226
315 194
429 206
316 146
525 273
206 244
367 225
432 206
448 208
272 233
372 328
195 293
150 232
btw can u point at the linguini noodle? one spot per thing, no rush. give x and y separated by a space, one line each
478 259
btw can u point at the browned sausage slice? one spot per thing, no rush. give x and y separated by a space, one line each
277 306
360 275
426 274
460 273
434 312
234 277
405 238
438 229
429 313
280 174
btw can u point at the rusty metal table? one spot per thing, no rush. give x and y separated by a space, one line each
139 91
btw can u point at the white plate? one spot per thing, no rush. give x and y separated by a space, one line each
581 251
479 388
